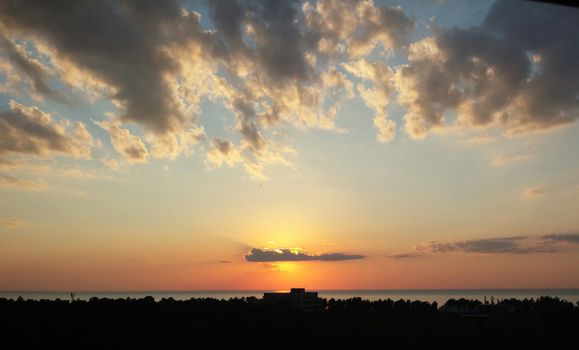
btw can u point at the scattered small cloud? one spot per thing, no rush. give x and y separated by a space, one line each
11 223
28 130
295 254
562 237
499 161
222 152
111 163
11 181
479 139
533 192
405 255
329 243
504 245
130 146
517 245
272 266
224 261
75 173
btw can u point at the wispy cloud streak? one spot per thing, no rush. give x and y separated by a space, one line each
295 254
548 243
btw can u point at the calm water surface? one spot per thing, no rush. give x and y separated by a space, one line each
438 295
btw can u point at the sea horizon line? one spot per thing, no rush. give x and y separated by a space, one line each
574 289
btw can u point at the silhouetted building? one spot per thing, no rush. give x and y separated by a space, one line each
298 298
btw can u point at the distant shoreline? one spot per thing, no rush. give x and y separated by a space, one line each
277 290
429 295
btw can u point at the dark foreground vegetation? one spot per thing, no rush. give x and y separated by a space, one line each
546 323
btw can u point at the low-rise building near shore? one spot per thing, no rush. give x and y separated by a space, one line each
298 298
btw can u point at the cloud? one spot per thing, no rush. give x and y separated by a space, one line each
517 245
562 237
407 255
295 254
377 97
356 28
174 144
222 152
499 161
479 139
533 192
124 47
28 130
130 146
10 181
155 62
279 45
74 173
268 62
518 75
11 223
507 245
112 164
279 63
280 55
32 68
272 54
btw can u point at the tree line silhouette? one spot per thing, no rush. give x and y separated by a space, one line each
355 323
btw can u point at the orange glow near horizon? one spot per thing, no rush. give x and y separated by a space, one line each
453 272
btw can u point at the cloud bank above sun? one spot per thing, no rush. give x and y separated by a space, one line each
274 64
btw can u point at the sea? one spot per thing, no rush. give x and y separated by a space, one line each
430 295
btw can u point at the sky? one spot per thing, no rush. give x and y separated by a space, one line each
249 145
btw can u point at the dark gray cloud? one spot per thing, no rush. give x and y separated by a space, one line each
267 43
507 245
562 237
23 133
550 243
285 254
277 41
518 71
278 51
29 130
122 44
264 59
281 42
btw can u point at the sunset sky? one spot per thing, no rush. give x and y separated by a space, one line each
214 145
